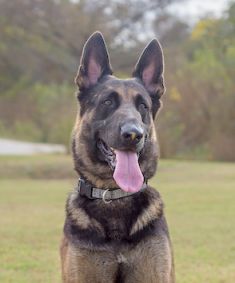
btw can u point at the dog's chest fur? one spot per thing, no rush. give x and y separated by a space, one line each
122 222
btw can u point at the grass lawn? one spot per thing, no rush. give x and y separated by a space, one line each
199 201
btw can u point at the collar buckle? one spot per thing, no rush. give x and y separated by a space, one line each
80 182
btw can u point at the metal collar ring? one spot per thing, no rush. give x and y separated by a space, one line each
103 197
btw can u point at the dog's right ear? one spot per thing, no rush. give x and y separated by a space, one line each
94 62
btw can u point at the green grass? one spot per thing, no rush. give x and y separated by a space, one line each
36 166
199 202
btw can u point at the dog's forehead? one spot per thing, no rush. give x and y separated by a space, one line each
127 88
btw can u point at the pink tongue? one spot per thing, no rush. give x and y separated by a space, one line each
127 173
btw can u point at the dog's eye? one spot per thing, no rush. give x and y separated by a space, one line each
143 106
107 102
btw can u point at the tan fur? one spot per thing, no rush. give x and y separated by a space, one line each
147 216
127 95
128 241
80 217
82 150
149 262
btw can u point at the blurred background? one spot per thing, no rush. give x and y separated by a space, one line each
41 42
40 47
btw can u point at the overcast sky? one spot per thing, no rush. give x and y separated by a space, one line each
194 9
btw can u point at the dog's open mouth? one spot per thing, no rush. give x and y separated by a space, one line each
127 173
107 153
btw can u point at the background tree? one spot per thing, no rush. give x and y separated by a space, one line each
39 54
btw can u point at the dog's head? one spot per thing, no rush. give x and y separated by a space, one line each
114 140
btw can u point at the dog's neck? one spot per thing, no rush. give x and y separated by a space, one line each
86 189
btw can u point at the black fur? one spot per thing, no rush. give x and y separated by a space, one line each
135 224
115 220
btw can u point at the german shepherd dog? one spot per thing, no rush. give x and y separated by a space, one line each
115 230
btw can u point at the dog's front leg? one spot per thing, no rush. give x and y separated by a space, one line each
87 266
150 262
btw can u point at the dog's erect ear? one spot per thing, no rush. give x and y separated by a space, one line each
94 62
149 68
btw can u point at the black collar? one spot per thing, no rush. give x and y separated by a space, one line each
86 189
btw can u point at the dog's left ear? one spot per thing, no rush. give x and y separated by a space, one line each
149 69
94 62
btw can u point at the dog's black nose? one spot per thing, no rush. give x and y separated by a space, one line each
131 133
